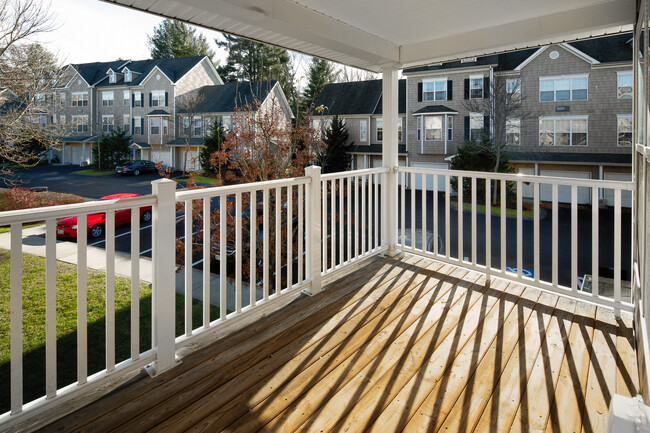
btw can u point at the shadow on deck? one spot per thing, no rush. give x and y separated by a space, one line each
400 344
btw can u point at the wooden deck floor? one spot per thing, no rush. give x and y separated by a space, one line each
399 345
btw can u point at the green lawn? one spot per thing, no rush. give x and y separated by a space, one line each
495 209
94 172
7 229
34 319
198 179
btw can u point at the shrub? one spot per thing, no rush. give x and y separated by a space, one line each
25 198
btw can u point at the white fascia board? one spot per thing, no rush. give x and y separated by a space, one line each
76 72
594 20
204 59
282 23
450 71
573 50
530 58
277 90
150 74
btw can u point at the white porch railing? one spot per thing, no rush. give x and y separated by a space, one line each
566 231
243 247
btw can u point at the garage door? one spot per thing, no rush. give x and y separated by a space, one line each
376 163
527 190
626 196
564 191
75 157
429 180
162 154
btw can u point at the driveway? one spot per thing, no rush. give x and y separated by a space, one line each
61 178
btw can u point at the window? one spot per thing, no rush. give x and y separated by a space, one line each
476 126
476 87
433 128
80 123
165 126
107 124
363 131
128 76
513 89
624 85
434 90
571 88
107 99
197 126
111 77
137 125
186 126
62 99
624 129
380 129
125 121
62 120
80 99
158 98
450 128
137 99
226 123
40 99
513 131
125 98
563 131
154 125
399 129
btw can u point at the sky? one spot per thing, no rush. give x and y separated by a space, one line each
94 31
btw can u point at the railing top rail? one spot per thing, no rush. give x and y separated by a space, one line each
194 194
75 209
613 184
343 174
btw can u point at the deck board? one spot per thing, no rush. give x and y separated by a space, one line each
404 343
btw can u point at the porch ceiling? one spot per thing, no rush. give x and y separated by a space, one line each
370 33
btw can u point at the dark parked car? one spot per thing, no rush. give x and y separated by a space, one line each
135 167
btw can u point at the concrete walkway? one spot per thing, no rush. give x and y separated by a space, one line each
34 243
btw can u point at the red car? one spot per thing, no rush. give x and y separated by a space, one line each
67 227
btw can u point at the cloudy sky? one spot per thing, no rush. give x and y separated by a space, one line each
92 31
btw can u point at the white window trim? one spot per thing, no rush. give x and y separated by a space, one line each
443 129
108 116
518 88
151 126
514 118
136 121
476 115
539 133
75 122
622 116
79 94
450 128
377 128
435 80
618 74
137 94
156 96
476 77
563 77
105 97
364 128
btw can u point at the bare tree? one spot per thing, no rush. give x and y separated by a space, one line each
27 122
348 74
188 105
506 110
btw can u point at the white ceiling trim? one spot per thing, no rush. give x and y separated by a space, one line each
294 26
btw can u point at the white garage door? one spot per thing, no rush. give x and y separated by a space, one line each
376 163
626 196
564 191
429 179
527 190
162 154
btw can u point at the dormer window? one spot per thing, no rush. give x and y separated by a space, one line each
111 77
127 76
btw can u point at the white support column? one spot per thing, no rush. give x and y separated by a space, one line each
163 255
313 227
83 152
389 157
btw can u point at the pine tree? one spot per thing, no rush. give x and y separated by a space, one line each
321 72
254 61
175 39
336 158
213 143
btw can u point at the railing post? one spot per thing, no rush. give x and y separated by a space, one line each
163 255
313 230
390 115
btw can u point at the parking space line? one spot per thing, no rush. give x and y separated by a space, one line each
128 232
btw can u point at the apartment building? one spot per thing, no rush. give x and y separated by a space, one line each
570 112
141 96
220 103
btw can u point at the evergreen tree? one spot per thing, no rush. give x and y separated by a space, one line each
321 72
335 157
111 149
175 39
255 61
213 143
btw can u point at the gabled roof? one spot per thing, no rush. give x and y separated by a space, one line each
96 73
226 97
617 48
357 97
